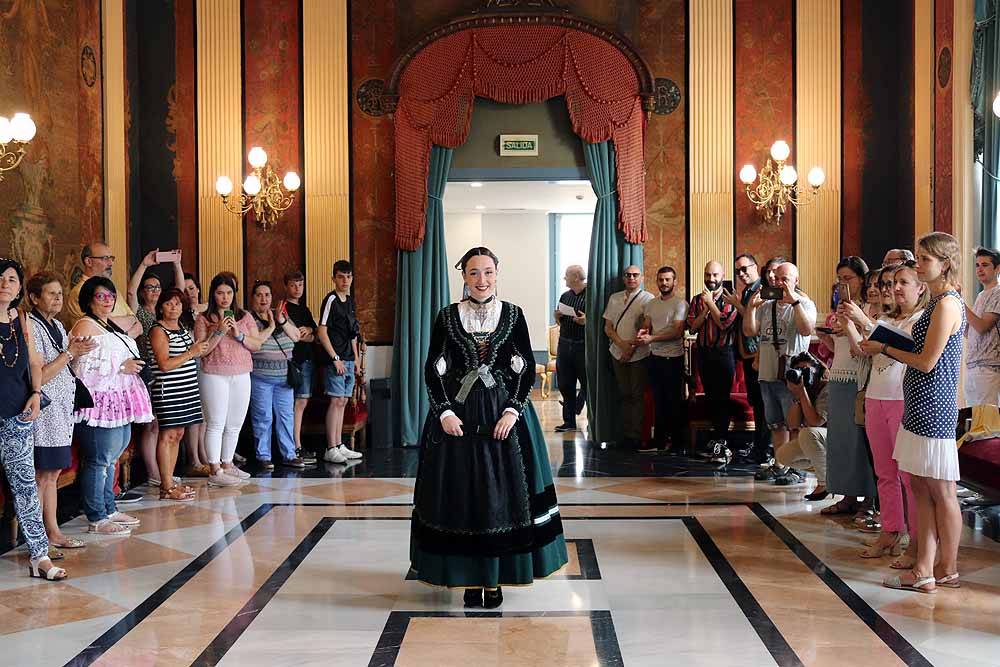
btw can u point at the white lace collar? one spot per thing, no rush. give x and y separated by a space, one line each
479 318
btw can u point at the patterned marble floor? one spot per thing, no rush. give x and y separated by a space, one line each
665 570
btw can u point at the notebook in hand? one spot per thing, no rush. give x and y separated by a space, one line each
892 336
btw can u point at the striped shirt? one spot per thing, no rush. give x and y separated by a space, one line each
175 394
271 360
569 329
711 334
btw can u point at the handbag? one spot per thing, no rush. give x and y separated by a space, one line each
82 398
859 398
293 376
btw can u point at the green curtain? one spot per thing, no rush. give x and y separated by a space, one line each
609 255
985 84
421 291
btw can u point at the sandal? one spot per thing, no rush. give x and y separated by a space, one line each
877 550
949 581
919 584
904 562
55 554
842 506
52 574
68 543
175 493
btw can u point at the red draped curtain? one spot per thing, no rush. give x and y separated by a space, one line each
517 64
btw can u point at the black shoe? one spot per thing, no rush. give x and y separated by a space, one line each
473 597
128 497
265 465
492 599
307 457
817 496
790 478
562 428
766 474
720 453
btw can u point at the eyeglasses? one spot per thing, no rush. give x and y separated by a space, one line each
632 275
745 268
105 296
152 288
104 258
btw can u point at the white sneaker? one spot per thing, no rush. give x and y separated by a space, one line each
334 455
236 472
349 453
222 479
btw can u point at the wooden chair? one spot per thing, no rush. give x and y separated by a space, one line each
356 412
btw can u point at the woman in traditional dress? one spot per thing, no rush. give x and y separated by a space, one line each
485 512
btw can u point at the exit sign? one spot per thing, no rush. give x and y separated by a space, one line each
518 144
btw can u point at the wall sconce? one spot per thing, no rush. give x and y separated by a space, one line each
20 129
778 186
262 192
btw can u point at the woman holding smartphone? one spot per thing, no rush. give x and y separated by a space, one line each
848 468
225 375
194 435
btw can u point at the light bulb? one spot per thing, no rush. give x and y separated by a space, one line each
475 184
22 127
224 186
5 132
251 186
748 174
257 157
788 175
292 181
996 105
780 150
816 177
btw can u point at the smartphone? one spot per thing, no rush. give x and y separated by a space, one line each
825 330
835 296
843 293
727 286
227 313
168 257
768 293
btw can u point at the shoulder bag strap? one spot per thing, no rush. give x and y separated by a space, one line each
774 327
55 344
627 306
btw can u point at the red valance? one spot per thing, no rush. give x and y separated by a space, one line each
517 65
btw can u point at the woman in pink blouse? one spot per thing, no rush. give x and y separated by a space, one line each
111 372
225 375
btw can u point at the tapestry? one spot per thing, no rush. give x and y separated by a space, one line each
54 202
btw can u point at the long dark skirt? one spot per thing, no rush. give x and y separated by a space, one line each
485 511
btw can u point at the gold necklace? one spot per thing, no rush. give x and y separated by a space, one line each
3 346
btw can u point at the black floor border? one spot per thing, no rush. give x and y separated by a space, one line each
116 632
230 634
590 569
602 627
770 636
881 627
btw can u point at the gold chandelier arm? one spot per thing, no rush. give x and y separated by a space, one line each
245 204
797 198
10 159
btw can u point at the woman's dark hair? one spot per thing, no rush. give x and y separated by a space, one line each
142 286
478 251
194 279
14 264
229 279
37 283
857 265
168 294
87 292
773 263
257 284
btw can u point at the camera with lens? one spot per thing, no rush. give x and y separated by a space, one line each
799 375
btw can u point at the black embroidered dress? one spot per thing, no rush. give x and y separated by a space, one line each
485 511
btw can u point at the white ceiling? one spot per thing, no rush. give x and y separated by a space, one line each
496 196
